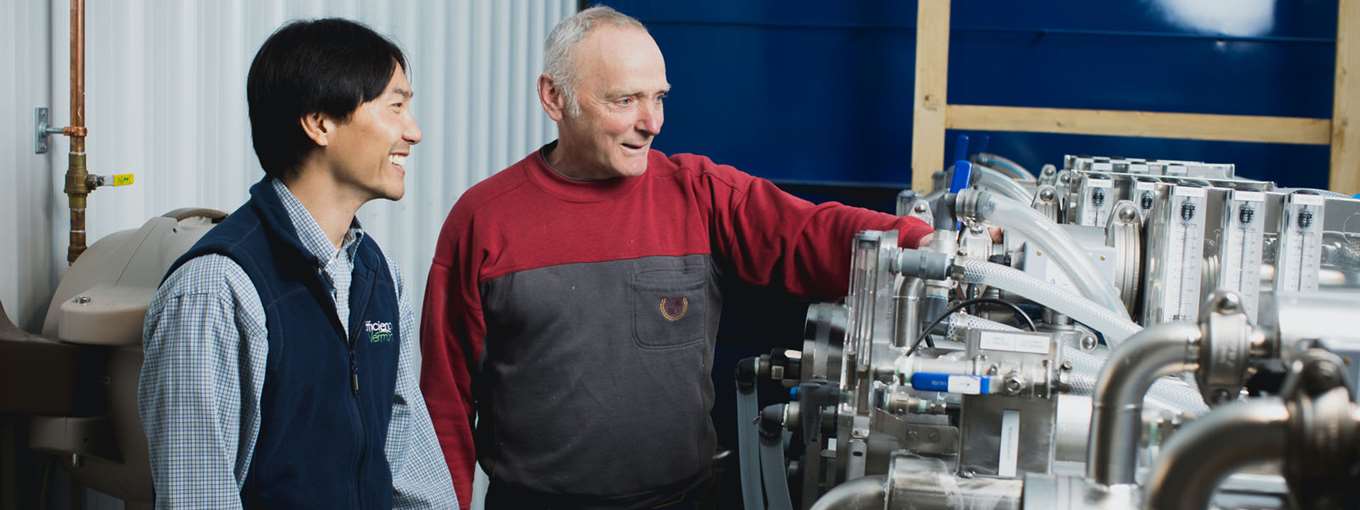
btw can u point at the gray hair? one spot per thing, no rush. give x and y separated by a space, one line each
559 49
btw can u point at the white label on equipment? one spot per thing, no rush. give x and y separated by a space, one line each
1010 443
964 384
1014 342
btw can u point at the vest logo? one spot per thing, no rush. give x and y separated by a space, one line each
378 332
673 308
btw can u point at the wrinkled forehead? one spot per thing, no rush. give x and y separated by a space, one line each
620 60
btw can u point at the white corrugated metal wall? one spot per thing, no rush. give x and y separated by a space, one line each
166 100
27 276
165 84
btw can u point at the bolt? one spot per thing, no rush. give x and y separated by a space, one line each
1245 214
1013 384
1146 200
1097 196
1127 214
1187 211
1088 343
993 369
1047 195
1066 366
1227 303
920 207
1305 218
83 300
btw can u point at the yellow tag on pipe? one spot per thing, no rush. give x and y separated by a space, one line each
122 179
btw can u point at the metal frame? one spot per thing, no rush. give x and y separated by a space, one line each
933 114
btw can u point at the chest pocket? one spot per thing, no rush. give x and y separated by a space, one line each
670 308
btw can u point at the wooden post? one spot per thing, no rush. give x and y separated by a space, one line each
1345 176
932 79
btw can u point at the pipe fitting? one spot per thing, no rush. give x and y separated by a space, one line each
1202 453
926 264
1117 404
973 204
1225 353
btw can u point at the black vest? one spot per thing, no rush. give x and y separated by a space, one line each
327 397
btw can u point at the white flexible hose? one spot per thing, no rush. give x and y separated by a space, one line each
1018 217
1115 327
1167 393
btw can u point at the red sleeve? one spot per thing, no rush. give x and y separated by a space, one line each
452 331
770 236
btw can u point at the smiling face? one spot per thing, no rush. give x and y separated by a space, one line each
620 86
367 152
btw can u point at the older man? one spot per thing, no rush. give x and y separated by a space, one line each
574 297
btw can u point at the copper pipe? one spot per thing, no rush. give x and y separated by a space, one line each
77 174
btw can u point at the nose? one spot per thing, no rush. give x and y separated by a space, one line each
411 131
650 118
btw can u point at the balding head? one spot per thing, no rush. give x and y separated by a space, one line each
559 51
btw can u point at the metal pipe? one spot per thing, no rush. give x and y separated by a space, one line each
859 494
78 180
908 310
1117 404
1202 453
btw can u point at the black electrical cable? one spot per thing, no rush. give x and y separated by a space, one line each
925 333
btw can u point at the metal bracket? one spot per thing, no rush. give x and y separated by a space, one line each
42 128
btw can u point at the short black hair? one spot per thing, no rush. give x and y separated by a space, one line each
328 66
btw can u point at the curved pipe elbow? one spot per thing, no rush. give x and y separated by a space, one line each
859 494
1117 402
1200 455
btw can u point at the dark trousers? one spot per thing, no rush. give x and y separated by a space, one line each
696 494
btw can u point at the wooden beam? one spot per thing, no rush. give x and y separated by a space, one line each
1189 126
932 80
1345 135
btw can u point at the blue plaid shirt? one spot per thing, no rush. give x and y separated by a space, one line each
205 346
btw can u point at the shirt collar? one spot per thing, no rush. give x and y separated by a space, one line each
309 231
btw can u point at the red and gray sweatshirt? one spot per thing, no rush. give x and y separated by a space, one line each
577 319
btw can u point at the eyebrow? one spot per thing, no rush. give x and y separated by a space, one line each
620 93
403 93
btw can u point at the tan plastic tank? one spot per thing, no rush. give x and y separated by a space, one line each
99 308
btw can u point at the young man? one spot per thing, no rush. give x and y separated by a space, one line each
580 330
280 351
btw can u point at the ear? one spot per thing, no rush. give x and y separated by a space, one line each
551 97
319 127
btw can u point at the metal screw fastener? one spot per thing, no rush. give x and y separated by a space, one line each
1088 343
83 300
1013 384
1245 214
919 207
1305 218
1187 211
1097 196
1047 195
1127 214
1066 366
1146 200
1228 303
